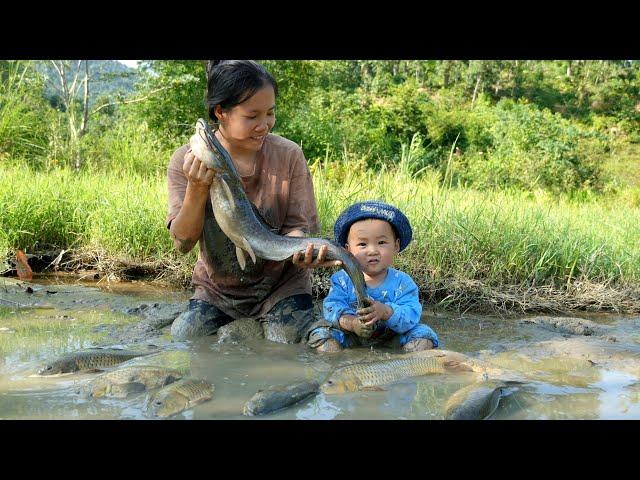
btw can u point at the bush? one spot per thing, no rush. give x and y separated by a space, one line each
536 149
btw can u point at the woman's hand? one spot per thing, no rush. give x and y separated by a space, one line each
196 171
309 262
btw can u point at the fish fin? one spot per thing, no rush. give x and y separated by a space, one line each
457 366
249 250
241 259
374 389
93 370
227 190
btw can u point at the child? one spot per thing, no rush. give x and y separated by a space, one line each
374 232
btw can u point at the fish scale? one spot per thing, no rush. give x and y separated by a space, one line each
120 382
380 373
366 375
89 360
179 396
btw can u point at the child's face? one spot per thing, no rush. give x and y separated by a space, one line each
373 244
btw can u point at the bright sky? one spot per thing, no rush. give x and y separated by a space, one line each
130 63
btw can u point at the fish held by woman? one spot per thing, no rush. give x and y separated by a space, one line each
238 220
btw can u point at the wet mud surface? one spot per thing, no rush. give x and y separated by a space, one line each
581 367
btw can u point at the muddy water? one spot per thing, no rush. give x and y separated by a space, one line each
566 376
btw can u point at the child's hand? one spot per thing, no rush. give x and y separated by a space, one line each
352 324
363 330
375 312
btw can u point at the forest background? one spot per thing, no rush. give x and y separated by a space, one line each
521 177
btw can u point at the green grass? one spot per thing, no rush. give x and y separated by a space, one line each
497 237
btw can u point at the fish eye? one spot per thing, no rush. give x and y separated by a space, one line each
329 382
47 368
157 402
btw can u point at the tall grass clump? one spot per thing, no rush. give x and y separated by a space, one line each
44 210
128 147
508 237
129 218
123 215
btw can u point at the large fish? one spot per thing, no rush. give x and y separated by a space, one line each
363 376
237 218
179 396
89 361
129 380
477 401
278 397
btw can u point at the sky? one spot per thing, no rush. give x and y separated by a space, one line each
130 63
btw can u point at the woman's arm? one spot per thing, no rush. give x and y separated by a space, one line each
186 227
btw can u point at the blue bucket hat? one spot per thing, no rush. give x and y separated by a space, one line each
372 209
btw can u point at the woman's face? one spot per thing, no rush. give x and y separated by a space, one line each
247 124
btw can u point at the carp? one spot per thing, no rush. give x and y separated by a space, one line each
477 401
128 380
92 360
179 396
278 397
241 223
370 375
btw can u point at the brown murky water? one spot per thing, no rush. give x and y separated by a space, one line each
567 376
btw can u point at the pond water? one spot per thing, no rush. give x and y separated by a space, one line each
568 376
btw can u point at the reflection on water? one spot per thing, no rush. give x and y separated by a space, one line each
573 378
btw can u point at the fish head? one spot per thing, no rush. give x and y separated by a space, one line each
338 383
166 405
207 148
55 368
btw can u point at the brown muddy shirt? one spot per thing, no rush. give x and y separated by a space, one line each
281 189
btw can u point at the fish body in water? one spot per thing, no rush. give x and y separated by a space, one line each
89 361
179 396
128 380
278 397
363 376
476 401
238 220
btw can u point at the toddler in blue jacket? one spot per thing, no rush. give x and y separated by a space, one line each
374 232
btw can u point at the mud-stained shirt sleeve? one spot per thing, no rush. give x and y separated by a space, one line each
176 184
340 299
302 211
405 304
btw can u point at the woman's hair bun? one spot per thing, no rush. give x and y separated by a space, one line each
211 64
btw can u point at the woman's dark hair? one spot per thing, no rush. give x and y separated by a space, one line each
231 82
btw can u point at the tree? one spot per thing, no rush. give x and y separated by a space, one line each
68 91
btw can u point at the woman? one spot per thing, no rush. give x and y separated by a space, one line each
240 99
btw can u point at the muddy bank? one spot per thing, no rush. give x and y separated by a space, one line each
445 294
573 367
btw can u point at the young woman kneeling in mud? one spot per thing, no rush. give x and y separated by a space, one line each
240 99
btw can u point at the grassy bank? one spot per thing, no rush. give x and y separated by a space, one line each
501 251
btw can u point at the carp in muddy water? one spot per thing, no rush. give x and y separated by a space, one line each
477 401
240 330
129 380
89 360
278 397
179 396
362 376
